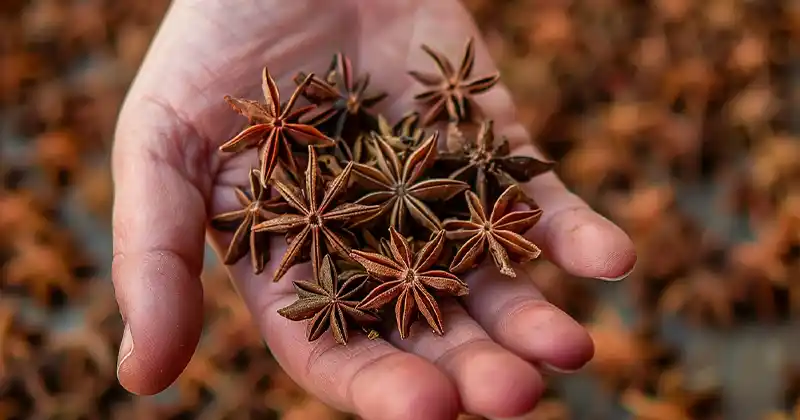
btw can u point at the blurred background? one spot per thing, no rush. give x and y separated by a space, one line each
678 119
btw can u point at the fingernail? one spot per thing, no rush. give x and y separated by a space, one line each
622 277
125 348
552 369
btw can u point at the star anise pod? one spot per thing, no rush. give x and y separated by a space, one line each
408 278
272 125
488 166
397 187
318 223
450 91
404 137
341 100
329 303
500 233
256 208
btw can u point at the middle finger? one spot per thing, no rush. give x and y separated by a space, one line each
490 380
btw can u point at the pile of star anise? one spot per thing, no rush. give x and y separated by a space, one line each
385 218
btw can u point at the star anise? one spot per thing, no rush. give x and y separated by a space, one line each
501 233
342 100
329 303
318 222
407 278
256 208
449 91
397 187
272 125
488 166
404 137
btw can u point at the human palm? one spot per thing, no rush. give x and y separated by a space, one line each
170 179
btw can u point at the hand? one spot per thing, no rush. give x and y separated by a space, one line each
170 179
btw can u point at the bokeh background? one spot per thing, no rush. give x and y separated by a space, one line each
678 119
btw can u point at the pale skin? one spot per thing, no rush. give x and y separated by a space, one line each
170 179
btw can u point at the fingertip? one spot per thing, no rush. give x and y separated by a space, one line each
589 245
557 341
163 313
402 386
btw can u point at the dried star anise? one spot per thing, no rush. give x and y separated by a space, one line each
404 137
318 222
501 233
341 99
407 277
256 208
272 125
488 166
397 187
449 92
329 303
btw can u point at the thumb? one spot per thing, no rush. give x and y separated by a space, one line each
158 228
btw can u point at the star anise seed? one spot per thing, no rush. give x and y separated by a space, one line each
450 92
407 279
329 303
318 223
396 186
256 208
272 126
501 233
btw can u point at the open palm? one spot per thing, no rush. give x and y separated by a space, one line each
170 179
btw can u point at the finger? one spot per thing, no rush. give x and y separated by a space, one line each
516 315
491 381
570 233
371 378
159 215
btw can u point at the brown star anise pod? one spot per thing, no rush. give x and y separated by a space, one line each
449 91
272 125
329 303
404 137
340 97
406 277
256 208
501 233
488 166
396 186
318 222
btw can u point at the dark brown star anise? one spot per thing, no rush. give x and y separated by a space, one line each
407 277
256 208
449 92
318 223
329 303
501 233
488 166
272 125
397 187
341 100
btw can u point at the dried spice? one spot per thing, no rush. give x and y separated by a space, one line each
329 302
500 233
450 92
407 278
342 100
316 222
489 167
397 186
272 125
256 208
